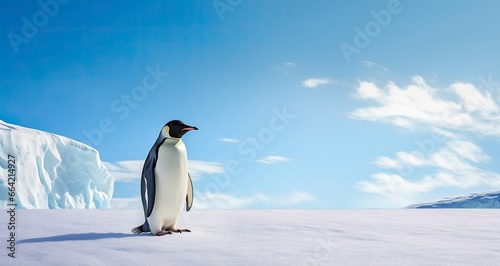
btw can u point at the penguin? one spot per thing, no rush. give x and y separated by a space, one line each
165 182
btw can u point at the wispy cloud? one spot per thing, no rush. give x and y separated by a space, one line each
315 82
372 64
231 140
294 197
198 168
125 171
457 155
445 133
367 63
272 159
285 67
226 201
126 203
406 190
454 160
419 105
211 200
128 171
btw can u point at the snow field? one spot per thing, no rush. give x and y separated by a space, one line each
259 237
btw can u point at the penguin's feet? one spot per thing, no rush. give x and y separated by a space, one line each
182 230
171 231
162 233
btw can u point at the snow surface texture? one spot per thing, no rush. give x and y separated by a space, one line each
473 200
52 171
259 237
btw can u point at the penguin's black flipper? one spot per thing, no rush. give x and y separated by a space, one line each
148 182
150 186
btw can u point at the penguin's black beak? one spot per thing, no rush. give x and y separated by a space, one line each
189 128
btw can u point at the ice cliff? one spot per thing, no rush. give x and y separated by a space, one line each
52 171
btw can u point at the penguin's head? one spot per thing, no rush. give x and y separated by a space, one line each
176 129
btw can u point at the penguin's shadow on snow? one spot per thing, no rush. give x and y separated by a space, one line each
76 237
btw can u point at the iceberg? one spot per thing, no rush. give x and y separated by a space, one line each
52 171
487 200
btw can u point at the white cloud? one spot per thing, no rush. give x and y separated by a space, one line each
293 197
372 64
232 140
285 66
272 159
315 82
198 168
419 105
126 203
403 159
125 171
395 187
225 201
128 171
439 133
456 155
456 166
454 160
367 63
474 100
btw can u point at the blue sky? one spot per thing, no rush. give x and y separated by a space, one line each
288 116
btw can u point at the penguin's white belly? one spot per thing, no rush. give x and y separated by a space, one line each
171 186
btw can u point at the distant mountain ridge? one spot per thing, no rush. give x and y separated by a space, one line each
474 200
52 171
